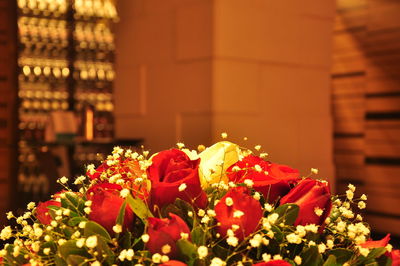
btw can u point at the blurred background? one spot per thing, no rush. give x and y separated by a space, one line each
315 83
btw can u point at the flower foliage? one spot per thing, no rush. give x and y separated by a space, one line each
221 205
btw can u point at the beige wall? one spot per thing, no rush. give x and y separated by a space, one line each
191 69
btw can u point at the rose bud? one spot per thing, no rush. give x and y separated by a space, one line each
310 195
106 204
273 263
42 212
173 175
165 232
239 208
270 179
211 169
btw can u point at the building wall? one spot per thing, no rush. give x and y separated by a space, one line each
191 69
366 93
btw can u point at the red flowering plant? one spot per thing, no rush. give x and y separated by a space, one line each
221 205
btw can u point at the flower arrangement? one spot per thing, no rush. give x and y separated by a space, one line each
221 205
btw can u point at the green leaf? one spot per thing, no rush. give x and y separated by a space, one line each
76 260
331 261
342 255
104 252
70 248
287 213
220 252
198 236
376 253
126 240
93 228
278 235
121 214
76 220
311 257
139 208
187 249
58 261
373 254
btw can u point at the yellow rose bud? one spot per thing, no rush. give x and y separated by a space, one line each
215 160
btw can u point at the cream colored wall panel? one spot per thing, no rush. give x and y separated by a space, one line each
194 31
236 87
247 32
193 129
286 90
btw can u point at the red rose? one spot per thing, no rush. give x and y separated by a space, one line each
106 204
122 167
174 263
395 256
270 179
169 170
273 263
166 232
376 244
309 195
238 207
42 212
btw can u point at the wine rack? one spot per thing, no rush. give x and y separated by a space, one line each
65 62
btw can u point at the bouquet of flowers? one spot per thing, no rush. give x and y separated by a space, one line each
221 205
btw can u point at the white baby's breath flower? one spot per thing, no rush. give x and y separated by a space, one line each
217 262
31 205
314 171
124 193
321 248
232 241
298 260
202 251
166 249
257 196
117 228
361 205
349 194
224 135
145 238
91 241
229 201
293 238
238 214
318 211
184 235
182 187
63 180
351 187
248 182
363 197
156 258
46 251
80 242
